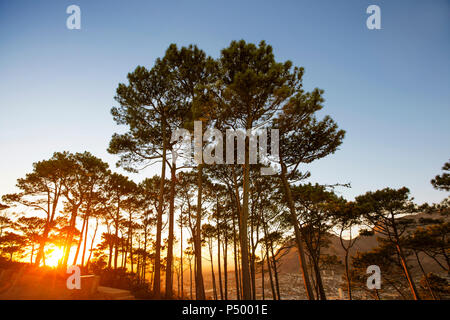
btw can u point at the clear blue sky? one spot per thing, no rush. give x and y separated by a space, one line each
389 88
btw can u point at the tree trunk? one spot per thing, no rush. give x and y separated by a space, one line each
42 244
262 274
83 255
144 259
131 247
199 286
240 272
319 281
225 268
50 217
275 271
69 237
213 277
157 273
80 241
92 242
218 248
169 268
110 244
252 262
425 276
243 237
347 271
269 269
178 281
236 275
409 278
190 276
298 237
347 276
138 267
124 247
116 235
181 256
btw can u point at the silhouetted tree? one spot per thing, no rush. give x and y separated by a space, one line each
442 182
382 209
42 190
31 228
346 216
303 139
11 243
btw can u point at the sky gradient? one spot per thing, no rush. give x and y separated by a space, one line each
389 88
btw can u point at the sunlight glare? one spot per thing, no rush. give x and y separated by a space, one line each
52 259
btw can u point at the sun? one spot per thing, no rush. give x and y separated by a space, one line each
53 258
